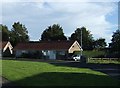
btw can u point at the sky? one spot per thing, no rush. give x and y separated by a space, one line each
100 17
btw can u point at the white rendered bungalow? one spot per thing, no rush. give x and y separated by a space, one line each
48 49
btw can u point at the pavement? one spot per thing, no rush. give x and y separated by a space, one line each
4 83
3 80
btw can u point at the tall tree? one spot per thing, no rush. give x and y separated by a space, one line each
100 43
115 44
0 32
87 39
18 33
5 32
53 33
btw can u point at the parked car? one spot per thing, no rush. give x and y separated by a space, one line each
77 57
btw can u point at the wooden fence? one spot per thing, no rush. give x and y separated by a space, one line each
106 60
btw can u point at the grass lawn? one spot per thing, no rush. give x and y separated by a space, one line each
28 73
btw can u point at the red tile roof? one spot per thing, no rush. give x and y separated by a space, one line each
2 44
49 45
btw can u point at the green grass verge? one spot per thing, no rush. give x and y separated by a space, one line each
28 73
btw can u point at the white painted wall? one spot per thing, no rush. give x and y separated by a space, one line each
52 54
19 52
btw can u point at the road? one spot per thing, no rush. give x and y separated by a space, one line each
112 70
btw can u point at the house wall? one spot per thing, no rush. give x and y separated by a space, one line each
7 53
29 54
49 54
52 54
74 47
18 53
46 54
61 54
55 54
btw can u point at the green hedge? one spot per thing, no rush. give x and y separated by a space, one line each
93 53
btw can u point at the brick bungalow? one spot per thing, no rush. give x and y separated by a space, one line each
48 50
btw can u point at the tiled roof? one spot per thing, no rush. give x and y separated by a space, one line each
49 45
2 44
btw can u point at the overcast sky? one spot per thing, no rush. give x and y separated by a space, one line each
98 16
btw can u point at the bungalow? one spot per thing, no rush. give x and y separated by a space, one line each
5 48
47 49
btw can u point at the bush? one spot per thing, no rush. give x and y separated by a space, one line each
25 55
93 53
36 54
113 55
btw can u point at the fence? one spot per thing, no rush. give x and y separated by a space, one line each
103 60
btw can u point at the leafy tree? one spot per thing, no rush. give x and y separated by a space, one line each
115 44
18 33
53 33
100 43
5 32
87 39
0 33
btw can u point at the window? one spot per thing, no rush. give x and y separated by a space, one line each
24 51
62 52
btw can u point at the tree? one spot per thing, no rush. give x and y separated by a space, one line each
115 44
53 33
18 33
100 43
5 32
87 39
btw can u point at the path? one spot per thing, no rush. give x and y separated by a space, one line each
3 80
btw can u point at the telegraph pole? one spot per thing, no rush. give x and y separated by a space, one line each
81 42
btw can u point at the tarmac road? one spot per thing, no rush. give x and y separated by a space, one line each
112 70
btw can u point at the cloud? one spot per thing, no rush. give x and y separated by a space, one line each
37 15
90 15
0 12
59 0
